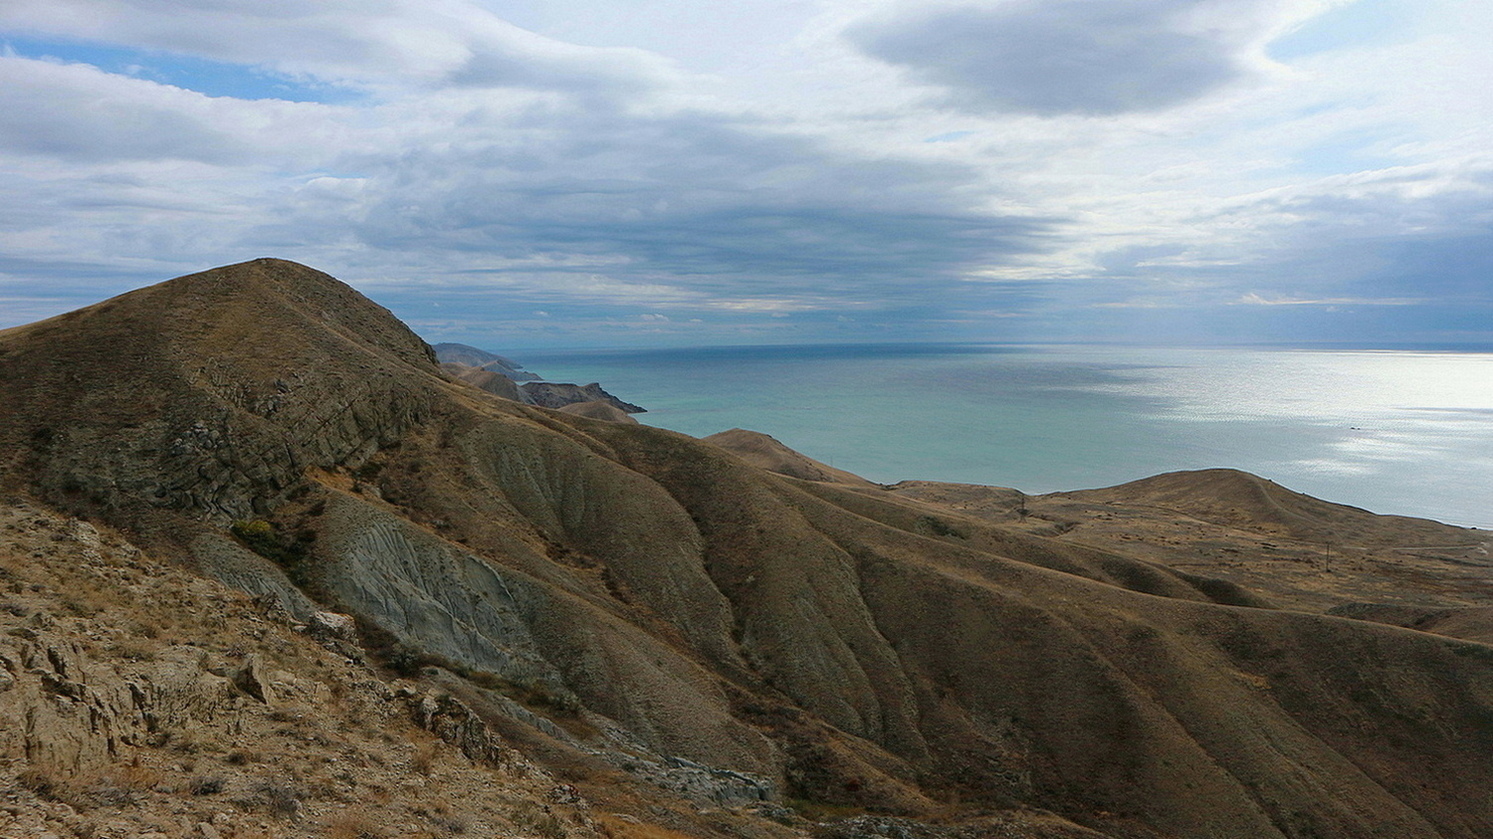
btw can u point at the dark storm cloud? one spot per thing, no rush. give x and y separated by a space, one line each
1050 58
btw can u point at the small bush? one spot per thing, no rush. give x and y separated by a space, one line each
42 784
119 786
206 785
424 757
132 650
546 825
262 538
258 534
938 527
279 799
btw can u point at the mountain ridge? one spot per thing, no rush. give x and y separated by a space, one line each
844 645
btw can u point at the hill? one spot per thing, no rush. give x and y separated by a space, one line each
704 646
1231 497
488 380
597 409
764 452
483 360
560 394
1297 551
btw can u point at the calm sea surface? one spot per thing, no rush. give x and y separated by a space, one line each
1392 431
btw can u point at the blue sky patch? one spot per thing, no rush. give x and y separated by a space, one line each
1347 153
1366 23
949 137
213 78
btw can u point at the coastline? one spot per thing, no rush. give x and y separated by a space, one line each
1046 418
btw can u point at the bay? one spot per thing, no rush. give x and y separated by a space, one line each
1393 431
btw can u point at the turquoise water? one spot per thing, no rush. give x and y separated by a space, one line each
1391 431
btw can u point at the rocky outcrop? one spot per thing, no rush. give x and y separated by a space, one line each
137 700
453 722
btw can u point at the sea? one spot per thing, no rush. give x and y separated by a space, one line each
1407 432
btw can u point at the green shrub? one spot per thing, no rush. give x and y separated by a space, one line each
262 538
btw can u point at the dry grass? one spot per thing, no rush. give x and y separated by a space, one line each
349 825
120 786
40 783
425 754
539 820
628 827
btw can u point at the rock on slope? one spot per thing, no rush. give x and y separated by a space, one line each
139 701
627 602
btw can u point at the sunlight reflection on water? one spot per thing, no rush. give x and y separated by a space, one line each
1397 432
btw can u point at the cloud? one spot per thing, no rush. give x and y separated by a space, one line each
1052 57
1403 254
468 192
381 43
482 169
76 111
688 203
1253 299
1413 233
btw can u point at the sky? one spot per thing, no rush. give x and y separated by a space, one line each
576 173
